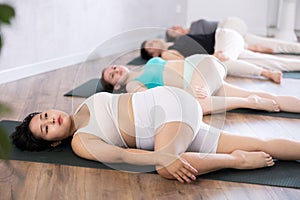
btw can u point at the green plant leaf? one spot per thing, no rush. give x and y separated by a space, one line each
6 13
4 109
5 146
0 41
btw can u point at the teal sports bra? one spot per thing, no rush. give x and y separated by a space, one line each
153 74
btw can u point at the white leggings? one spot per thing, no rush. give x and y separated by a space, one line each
279 46
232 38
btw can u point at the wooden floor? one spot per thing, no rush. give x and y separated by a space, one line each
30 180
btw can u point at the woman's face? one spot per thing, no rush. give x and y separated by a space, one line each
51 125
154 47
115 73
175 31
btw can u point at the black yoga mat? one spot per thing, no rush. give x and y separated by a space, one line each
86 89
266 113
283 174
137 61
291 54
63 155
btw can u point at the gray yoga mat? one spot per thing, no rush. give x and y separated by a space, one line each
62 155
137 61
266 113
283 174
86 89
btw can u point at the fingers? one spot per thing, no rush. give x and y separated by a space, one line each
201 92
182 177
178 177
190 168
186 174
270 161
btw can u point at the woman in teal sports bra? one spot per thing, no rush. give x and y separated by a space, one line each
203 77
152 75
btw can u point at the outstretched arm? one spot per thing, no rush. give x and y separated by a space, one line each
91 147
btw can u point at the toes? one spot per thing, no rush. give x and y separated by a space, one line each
276 108
270 163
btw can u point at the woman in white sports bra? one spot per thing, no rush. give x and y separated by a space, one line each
161 127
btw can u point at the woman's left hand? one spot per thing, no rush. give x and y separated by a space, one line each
182 170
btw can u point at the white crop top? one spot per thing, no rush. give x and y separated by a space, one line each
103 121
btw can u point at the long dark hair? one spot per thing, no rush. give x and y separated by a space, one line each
23 138
107 87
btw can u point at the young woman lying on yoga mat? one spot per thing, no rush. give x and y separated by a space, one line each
161 127
200 75
231 43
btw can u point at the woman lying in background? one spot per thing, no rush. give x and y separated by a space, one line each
161 127
200 75
253 42
229 44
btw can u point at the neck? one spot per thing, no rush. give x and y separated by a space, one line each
168 44
73 128
134 74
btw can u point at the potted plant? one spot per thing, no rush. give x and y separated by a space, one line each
6 14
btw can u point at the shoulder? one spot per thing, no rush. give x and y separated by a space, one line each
78 145
172 55
134 86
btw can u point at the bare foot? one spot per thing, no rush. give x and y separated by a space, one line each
260 103
252 160
276 76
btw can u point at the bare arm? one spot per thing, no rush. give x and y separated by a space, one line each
135 86
172 55
91 147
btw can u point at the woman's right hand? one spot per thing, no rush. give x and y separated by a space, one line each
200 92
182 170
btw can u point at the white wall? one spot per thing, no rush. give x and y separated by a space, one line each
297 25
274 14
45 32
50 34
253 12
258 14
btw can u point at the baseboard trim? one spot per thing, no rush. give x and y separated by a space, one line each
120 43
25 71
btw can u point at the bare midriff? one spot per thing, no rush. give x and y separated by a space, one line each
173 73
126 120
